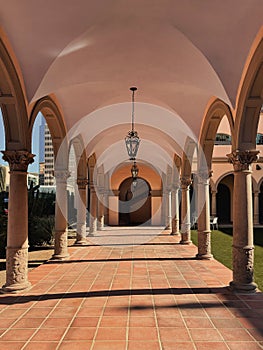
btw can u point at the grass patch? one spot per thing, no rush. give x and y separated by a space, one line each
221 244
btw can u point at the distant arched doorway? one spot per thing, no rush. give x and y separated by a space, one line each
261 204
224 199
134 202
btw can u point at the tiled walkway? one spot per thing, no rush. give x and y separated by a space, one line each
152 296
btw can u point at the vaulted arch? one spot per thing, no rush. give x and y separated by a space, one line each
215 113
13 103
54 118
250 99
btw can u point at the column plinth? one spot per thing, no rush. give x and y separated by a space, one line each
61 245
243 279
243 248
16 270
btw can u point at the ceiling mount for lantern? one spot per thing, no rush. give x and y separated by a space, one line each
132 140
134 173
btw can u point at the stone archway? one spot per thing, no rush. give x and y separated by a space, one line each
250 100
134 202
54 118
17 153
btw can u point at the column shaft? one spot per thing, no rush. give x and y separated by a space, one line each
243 248
256 209
204 232
185 212
81 211
101 212
213 206
61 231
17 228
168 211
175 212
93 211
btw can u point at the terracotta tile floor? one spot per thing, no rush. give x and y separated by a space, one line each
151 296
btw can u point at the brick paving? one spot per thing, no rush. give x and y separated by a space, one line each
152 296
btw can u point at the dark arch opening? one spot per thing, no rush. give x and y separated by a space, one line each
261 204
223 204
134 202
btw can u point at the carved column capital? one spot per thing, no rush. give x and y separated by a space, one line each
176 186
204 176
82 183
185 182
61 175
18 160
242 160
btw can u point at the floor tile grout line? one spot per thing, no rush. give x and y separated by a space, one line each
182 317
129 306
74 316
105 303
47 316
27 310
154 310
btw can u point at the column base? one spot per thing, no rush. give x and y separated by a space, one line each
59 257
15 288
82 241
243 288
204 256
175 233
185 242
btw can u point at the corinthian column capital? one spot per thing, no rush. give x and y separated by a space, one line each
204 176
242 160
18 160
61 175
185 182
82 183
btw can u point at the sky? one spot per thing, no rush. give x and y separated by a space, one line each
34 168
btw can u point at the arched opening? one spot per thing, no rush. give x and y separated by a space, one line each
260 198
134 202
224 199
71 188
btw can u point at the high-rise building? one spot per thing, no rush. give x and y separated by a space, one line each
46 155
49 159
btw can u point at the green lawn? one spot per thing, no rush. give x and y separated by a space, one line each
222 250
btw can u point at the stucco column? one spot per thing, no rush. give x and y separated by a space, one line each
204 232
168 210
81 211
256 209
175 211
185 211
93 210
61 227
17 228
243 248
213 204
101 211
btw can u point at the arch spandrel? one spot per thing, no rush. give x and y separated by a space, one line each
13 103
54 118
213 116
250 98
